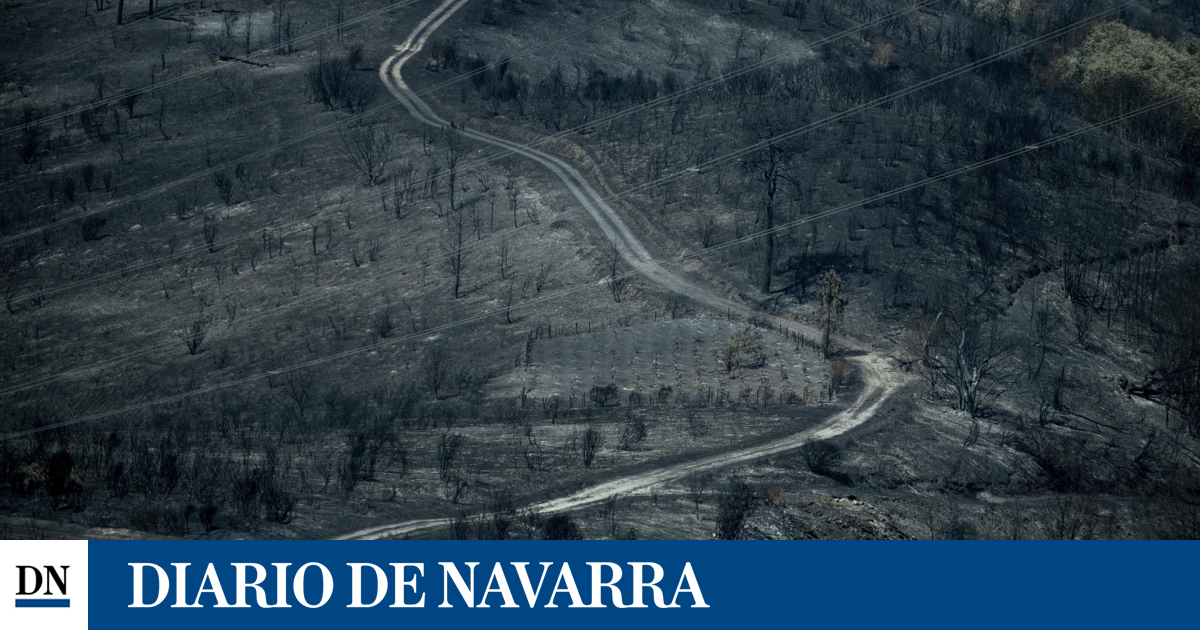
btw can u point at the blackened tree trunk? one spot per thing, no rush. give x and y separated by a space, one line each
772 180
769 163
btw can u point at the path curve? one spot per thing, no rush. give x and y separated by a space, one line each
878 381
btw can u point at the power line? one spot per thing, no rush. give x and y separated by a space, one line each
472 165
649 184
586 287
116 98
131 25
335 290
292 141
50 378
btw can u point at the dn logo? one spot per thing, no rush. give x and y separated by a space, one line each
29 587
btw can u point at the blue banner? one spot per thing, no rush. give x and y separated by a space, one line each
179 585
861 584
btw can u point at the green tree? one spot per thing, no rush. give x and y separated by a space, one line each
1117 69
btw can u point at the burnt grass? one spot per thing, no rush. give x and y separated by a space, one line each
166 248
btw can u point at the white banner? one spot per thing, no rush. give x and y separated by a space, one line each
44 584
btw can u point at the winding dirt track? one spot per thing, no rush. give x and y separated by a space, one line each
878 382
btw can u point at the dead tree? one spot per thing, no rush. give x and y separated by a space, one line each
616 282
193 335
505 259
820 456
510 299
282 30
436 370
1175 379
514 194
589 445
164 97
298 387
769 164
370 149
543 277
451 154
697 486
455 252
831 301
632 433
733 506
1071 517
449 447
210 228
966 351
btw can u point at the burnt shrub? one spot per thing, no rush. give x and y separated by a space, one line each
334 84
247 493
117 480
561 527
208 516
279 504
733 506
821 457
92 228
63 483
146 518
604 395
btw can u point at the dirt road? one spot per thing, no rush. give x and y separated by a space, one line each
878 381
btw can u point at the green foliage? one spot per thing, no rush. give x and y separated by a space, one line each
1117 69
